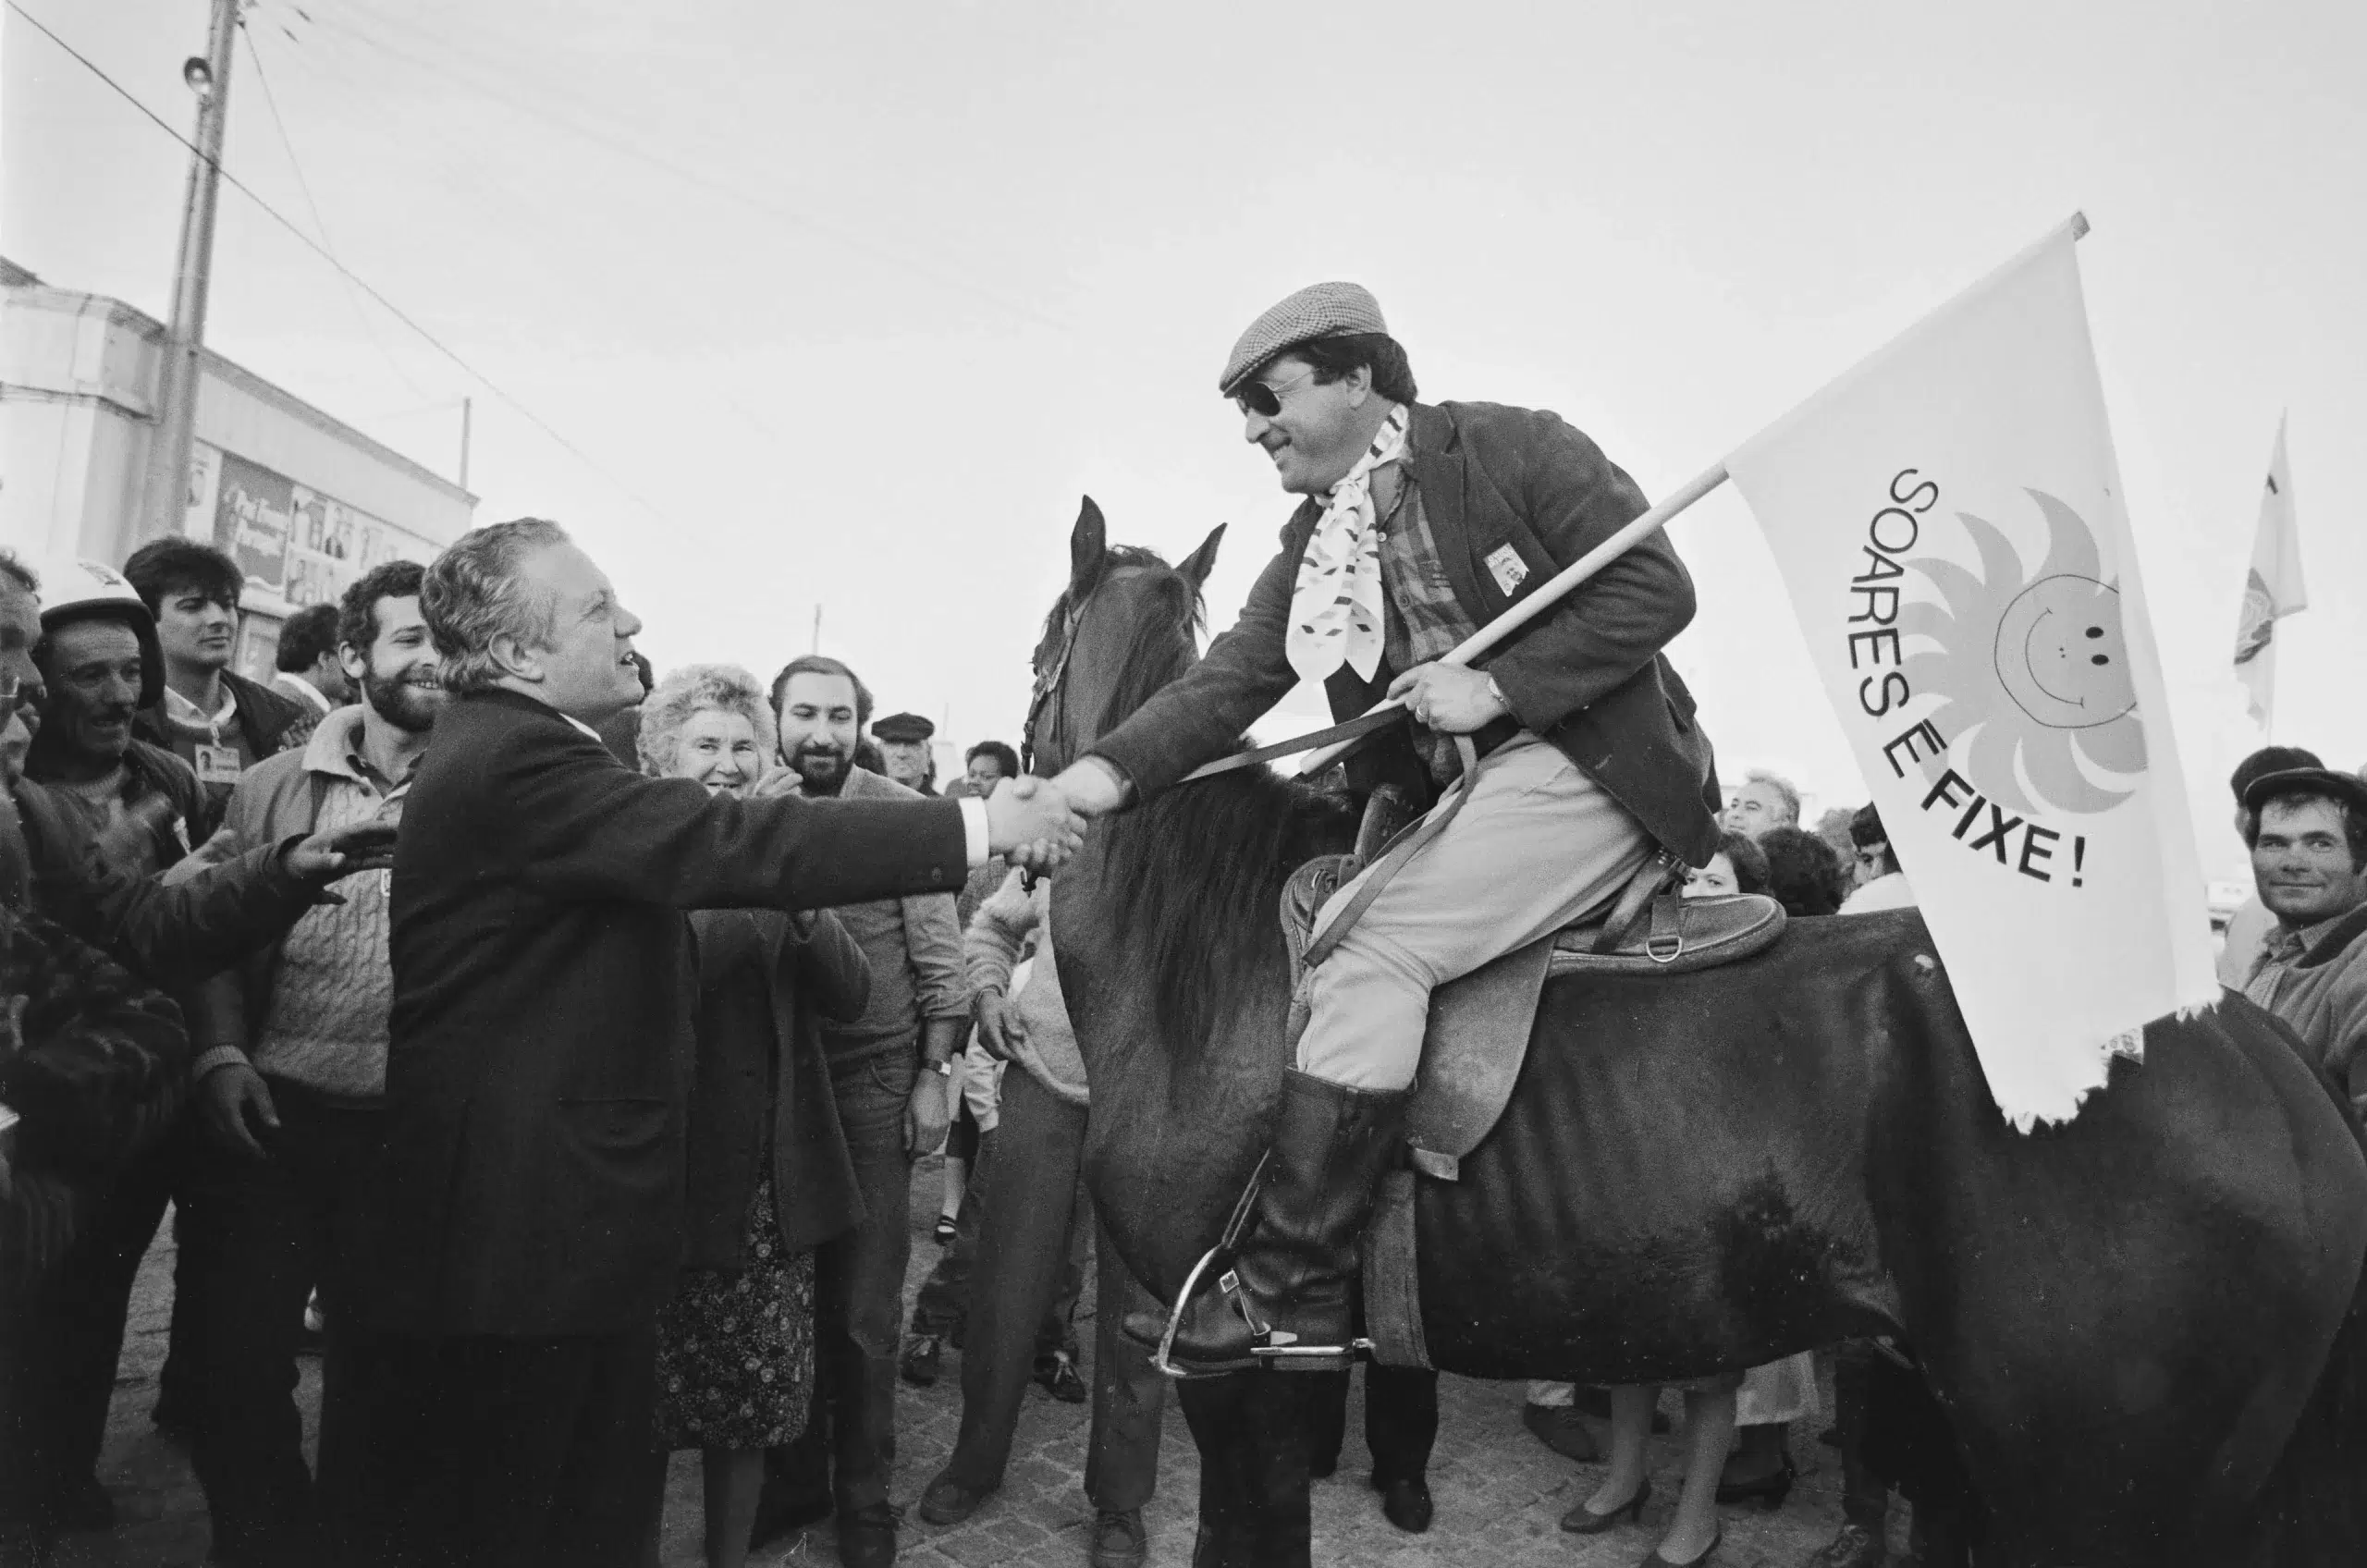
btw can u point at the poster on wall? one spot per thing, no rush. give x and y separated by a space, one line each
253 510
298 545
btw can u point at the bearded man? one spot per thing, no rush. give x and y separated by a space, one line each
888 1070
291 1076
1420 524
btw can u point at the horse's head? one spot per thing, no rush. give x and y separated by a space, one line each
1124 626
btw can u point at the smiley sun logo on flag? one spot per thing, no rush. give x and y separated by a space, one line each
2038 670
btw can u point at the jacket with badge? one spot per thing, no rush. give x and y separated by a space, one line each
1587 675
272 722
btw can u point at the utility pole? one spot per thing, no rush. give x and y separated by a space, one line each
177 381
466 408
817 628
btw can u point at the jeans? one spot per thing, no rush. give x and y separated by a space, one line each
1022 1247
274 1228
859 1295
943 1305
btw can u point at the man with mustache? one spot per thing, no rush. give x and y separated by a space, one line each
889 1069
1565 767
93 815
211 718
291 1076
2307 831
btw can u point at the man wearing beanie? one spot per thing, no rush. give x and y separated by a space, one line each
1419 524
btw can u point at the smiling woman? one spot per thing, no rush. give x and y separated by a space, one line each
708 722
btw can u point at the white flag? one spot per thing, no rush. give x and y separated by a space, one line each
2273 588
1948 520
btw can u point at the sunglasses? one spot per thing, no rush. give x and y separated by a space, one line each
1257 398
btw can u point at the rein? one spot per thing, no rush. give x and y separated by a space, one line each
1051 693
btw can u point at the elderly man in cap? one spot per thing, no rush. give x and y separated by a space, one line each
904 745
2307 827
1419 523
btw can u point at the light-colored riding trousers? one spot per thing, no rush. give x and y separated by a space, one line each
1537 844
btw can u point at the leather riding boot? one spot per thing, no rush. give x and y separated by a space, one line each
1292 1277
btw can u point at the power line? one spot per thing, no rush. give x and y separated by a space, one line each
308 243
728 190
288 145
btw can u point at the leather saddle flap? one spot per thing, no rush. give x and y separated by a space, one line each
1682 935
1471 1053
1480 1025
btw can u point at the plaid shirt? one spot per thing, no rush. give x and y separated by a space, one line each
1423 620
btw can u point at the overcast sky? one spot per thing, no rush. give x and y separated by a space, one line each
850 303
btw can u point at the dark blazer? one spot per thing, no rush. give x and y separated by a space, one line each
762 1086
540 1030
1587 675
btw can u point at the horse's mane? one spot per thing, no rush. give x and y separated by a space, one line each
1201 867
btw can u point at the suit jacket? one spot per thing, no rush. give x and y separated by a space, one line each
761 1095
542 1006
1587 675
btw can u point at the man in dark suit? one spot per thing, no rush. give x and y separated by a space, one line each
530 1217
1421 524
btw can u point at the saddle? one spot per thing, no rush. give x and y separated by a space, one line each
1480 1025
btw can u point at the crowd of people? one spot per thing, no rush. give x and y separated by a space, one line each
553 1040
173 815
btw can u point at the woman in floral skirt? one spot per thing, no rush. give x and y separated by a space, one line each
768 1175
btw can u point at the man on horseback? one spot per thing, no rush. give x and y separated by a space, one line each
1420 524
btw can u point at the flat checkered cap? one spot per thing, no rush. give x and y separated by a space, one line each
1320 310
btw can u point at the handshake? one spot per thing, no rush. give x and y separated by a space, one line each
1039 823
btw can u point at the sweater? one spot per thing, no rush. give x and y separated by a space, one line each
313 1007
1047 1045
326 1025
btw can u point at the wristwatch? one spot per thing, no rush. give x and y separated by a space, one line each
942 1069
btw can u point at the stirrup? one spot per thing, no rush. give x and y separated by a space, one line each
1280 1354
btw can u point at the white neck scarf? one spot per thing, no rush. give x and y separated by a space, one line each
1335 608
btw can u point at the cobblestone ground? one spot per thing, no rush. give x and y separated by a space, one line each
1498 1493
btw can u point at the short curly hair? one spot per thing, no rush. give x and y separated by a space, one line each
693 689
357 613
1785 791
474 593
1005 758
1804 873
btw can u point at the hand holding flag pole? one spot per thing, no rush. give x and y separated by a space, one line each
1559 586
1551 592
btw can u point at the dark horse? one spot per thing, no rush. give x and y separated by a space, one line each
2145 1329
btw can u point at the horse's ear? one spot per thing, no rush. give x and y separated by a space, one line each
1088 547
1196 565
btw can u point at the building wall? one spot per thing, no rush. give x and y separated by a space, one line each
304 502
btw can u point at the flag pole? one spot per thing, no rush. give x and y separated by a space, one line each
1558 587
1555 589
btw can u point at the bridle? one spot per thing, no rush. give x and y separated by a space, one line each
1051 692
1051 680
